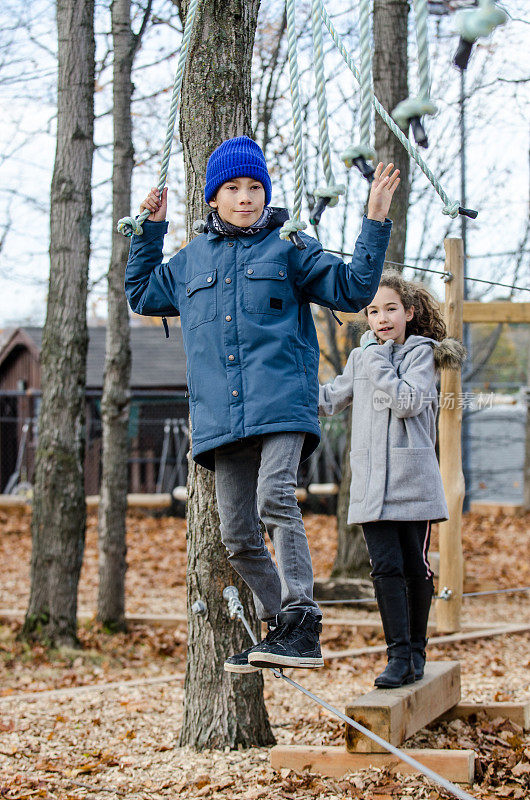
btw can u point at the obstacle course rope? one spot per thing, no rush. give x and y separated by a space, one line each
445 594
236 611
411 110
359 155
292 226
130 225
327 195
451 207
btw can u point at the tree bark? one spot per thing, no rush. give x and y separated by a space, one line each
220 709
390 65
58 524
116 394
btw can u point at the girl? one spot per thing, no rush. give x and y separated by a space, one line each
396 488
243 296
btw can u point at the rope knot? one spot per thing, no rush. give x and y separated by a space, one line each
451 209
331 193
354 151
291 226
128 226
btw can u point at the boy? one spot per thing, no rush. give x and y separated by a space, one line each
243 296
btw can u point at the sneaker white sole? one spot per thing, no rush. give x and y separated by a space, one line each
240 669
273 660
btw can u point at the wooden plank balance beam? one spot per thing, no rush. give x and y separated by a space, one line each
394 715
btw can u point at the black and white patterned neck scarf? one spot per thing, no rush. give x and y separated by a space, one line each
271 218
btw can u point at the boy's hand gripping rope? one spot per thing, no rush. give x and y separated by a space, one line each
327 195
359 155
474 23
451 207
411 110
235 609
130 225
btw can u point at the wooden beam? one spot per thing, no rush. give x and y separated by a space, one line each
482 633
396 715
519 713
450 426
496 311
472 311
457 766
511 509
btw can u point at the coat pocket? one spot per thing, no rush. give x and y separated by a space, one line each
359 474
413 475
266 288
201 297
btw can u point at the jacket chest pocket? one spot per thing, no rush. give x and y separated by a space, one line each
201 298
266 289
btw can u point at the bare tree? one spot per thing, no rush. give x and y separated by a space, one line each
220 709
58 525
115 400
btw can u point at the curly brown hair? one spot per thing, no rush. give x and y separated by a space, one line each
427 319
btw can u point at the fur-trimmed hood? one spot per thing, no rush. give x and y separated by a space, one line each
448 354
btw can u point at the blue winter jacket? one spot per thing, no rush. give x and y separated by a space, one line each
249 336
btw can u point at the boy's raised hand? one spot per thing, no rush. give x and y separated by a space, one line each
157 207
382 190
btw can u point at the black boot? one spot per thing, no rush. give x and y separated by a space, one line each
294 643
391 594
420 592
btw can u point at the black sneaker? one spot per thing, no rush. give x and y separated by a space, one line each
239 663
293 643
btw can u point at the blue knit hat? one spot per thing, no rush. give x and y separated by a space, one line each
240 157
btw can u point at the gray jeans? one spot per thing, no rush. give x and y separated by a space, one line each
255 478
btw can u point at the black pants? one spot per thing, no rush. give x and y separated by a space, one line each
398 548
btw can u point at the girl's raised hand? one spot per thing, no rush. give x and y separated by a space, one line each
382 190
155 205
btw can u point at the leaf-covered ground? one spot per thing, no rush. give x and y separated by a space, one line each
79 741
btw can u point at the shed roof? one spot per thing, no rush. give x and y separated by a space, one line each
156 361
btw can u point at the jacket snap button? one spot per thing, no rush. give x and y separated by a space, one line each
250 271
228 318
235 393
231 358
230 244
281 273
228 280
209 279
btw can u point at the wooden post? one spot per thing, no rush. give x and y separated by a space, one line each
451 577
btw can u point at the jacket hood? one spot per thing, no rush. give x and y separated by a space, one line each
448 354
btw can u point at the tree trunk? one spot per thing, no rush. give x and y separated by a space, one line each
390 65
220 709
352 559
115 400
58 525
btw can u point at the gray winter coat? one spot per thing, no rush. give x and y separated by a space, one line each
392 389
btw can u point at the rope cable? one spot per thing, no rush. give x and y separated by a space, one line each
236 610
328 195
130 225
290 228
451 207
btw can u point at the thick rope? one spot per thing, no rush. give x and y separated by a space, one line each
451 207
367 89
294 224
129 225
332 190
421 12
